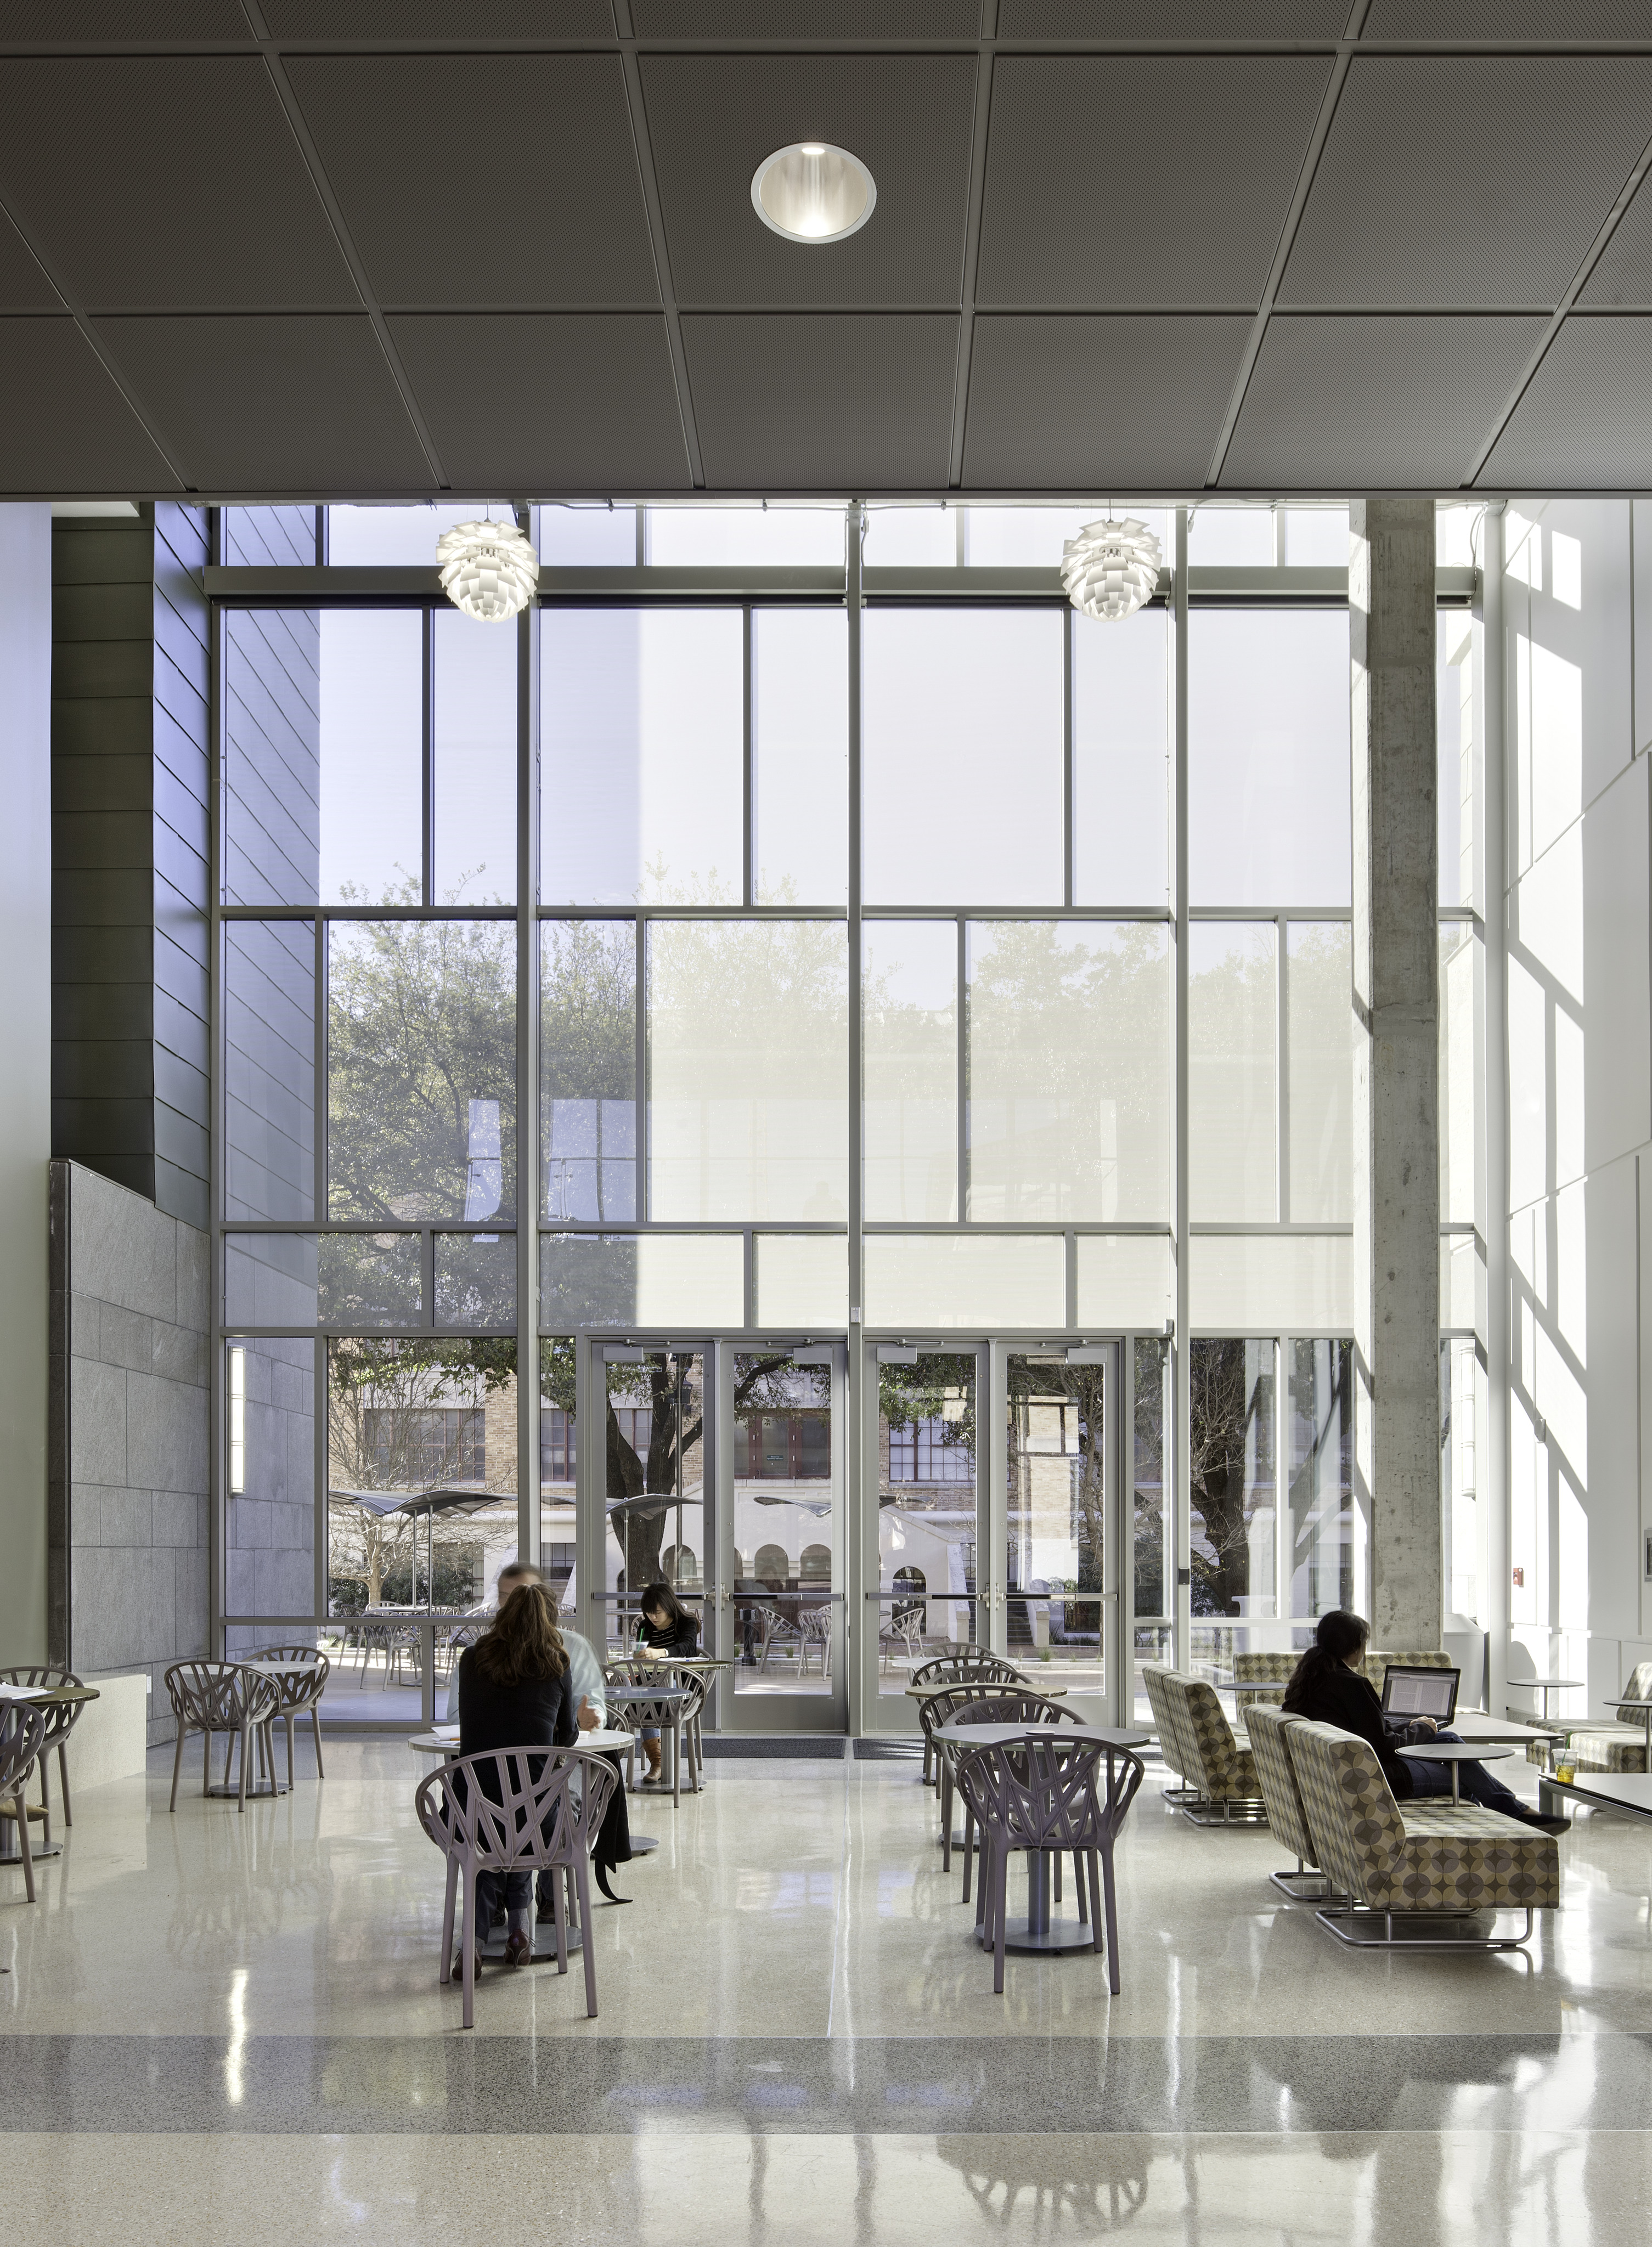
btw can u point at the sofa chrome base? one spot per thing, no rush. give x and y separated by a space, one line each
1363 1929
1222 1810
1322 1892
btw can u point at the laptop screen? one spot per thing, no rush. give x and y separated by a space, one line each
1420 1692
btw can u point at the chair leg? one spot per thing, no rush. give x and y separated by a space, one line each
315 1725
559 1914
677 1764
242 1802
583 1882
471 1938
1096 1896
945 1792
1078 1884
288 1722
1057 1854
1000 1905
969 1849
447 1973
228 1757
177 1765
20 1811
206 1764
1112 1921
63 1777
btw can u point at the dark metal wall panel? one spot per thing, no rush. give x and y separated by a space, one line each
23 286
272 748
291 405
909 118
547 210
67 428
1350 403
1402 214
1587 415
1204 235
575 402
829 402
1074 402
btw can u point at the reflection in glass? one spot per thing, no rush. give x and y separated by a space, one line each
475 1280
269 1080
909 1044
800 753
1323 1531
1232 1474
1150 1534
1124 733
1233 1029
269 537
1463 1403
926 1578
270 1520
748 1070
421 1110
270 1279
642 1280
370 1279
476 761
1456 739
272 756
1318 989
372 701
588 1068
558 1466
655 1495
1069 1070
953 702
642 731
1057 1500
785 1490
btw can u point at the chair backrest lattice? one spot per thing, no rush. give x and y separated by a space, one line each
60 1717
962 1693
1027 1707
1047 1792
218 1697
969 1664
299 1688
514 1809
23 1737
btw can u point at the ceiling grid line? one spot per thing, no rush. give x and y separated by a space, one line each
971 242
643 145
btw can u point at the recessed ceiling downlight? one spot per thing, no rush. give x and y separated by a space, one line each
812 191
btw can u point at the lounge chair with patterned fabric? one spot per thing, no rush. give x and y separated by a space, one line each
1261 1678
1286 1815
1376 1661
1198 1742
1435 1865
1620 1746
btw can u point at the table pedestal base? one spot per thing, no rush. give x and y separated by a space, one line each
11 1854
1060 1935
258 1790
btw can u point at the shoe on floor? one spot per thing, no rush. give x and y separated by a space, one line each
1549 1824
519 1947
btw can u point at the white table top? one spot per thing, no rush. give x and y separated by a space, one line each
1455 1751
445 1741
1620 1790
24 1692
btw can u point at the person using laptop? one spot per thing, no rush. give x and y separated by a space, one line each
1328 1686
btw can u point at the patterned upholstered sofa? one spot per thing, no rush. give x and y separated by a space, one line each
1286 1815
1622 1747
1260 1679
1437 1861
1197 1740
1376 1661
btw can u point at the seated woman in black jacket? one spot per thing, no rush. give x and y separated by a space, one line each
512 1694
1328 1686
664 1627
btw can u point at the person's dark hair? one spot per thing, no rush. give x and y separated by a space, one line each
661 1597
524 1643
519 1572
1336 1636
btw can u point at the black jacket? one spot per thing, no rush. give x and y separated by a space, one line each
680 1637
1350 1701
537 1713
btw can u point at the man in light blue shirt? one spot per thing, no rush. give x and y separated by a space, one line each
585 1685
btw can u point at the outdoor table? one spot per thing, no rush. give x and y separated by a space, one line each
61 1697
1038 1931
1454 1753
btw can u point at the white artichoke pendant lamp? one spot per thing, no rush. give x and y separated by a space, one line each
1111 569
488 569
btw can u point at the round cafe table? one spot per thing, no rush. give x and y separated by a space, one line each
45 1697
1454 1752
1038 1931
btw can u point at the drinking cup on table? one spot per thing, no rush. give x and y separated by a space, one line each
1565 1772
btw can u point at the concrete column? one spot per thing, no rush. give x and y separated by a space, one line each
1396 1184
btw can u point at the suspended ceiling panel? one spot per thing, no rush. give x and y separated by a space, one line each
1623 275
68 429
1177 19
569 401
1392 400
712 119
23 286
1587 417
91 21
439 19
255 405
1131 402
544 209
823 402
1506 20
1459 181
758 20
1202 235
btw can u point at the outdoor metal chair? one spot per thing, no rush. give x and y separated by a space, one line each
778 1632
971 1667
675 1709
535 1823
300 1690
23 1739
816 1625
218 1697
61 1720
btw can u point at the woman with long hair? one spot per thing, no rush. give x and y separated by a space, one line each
1328 1686
513 1694
664 1627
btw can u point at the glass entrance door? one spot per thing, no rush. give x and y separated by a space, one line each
927 1593
652 1474
1063 1575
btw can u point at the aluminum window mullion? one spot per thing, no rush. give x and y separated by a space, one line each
748 780
963 1070
427 761
1282 1066
530 1195
1067 799
640 1128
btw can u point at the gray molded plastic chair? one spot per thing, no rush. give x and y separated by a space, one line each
816 1625
1048 1794
994 1708
61 1720
939 1707
22 1741
300 1690
536 1823
969 1664
675 1710
217 1696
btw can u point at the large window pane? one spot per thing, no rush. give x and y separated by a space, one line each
800 748
772 537
476 753
1232 1474
273 703
269 537
909 1044
421 1090
748 1070
1301 1281
1123 729
372 754
1268 759
558 1469
1019 537
956 703
1456 747
1059 1497
1152 1497
926 1575
1319 989
1323 1555
636 1279
583 538
1124 1280
1316 537
405 536
1069 1070
269 1075
1231 536
983 1282
654 1448
270 1515
911 537
643 725
1233 1032
1460 983
588 1068
802 1280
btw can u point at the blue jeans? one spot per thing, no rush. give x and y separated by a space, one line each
1475 1783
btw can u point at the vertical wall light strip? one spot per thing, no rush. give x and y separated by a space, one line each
1180 1343
640 971
528 1193
858 1416
236 1400
1282 1064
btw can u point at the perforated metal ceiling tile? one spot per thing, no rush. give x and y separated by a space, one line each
1177 19
74 21
548 403
1622 278
547 210
290 405
1205 234
1498 20
1342 402
439 19
67 428
189 191
24 287
1405 209
1585 417
1129 402
909 118
822 402
763 20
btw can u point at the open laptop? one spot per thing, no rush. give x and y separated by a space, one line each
1407 1692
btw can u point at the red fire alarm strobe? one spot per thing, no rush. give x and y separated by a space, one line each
1519 1576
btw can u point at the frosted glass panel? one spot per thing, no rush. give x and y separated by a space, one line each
1124 1280
1233 1092
1299 1283
802 1280
748 1070
1456 751
404 537
643 725
1459 1012
1317 539
1240 536
1019 537
767 537
953 703
600 537
373 700
1069 1070
641 1279
1268 759
984 1282
910 1060
1461 1284
1319 989
800 744
911 537
1123 729
475 752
